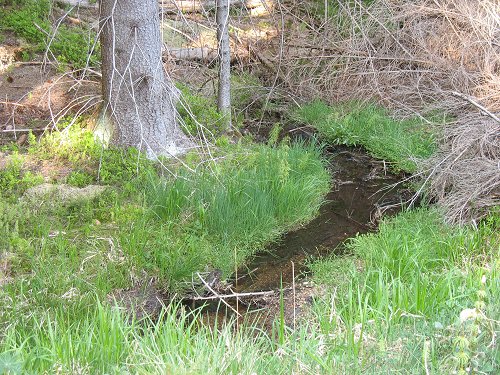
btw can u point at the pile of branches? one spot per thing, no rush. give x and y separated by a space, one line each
408 54
417 57
464 176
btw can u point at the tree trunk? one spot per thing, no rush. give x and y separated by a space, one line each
224 95
139 100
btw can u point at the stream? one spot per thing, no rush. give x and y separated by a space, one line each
363 191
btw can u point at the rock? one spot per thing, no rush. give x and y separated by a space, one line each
63 193
22 139
139 302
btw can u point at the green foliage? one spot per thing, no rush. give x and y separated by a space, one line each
73 144
14 180
198 114
246 90
29 19
24 16
399 142
65 257
411 281
79 179
106 342
246 200
77 146
72 46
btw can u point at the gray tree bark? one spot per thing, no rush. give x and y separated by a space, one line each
139 100
224 94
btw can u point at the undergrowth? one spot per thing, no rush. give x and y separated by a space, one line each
400 142
416 297
418 294
198 114
242 202
31 21
61 257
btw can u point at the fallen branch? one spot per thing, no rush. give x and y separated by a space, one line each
217 295
205 54
476 104
194 53
80 3
195 6
233 295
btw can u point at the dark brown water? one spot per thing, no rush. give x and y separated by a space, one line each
362 190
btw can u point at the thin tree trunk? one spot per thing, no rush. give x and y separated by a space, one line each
224 95
139 99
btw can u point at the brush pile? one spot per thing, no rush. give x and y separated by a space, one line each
417 57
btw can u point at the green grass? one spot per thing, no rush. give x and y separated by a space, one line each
399 296
62 258
231 209
198 114
399 142
392 304
14 180
30 20
106 342
374 318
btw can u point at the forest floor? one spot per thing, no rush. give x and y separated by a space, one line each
104 253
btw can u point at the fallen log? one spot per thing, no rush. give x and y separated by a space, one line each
205 54
193 53
195 6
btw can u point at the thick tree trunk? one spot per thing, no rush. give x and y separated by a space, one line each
138 99
224 95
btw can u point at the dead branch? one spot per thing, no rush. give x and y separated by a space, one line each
196 6
217 295
476 104
233 295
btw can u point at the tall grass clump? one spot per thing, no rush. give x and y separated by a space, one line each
107 342
418 285
247 199
400 142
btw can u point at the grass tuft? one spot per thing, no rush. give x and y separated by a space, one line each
408 286
400 142
245 201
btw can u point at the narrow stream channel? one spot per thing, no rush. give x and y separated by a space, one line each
362 190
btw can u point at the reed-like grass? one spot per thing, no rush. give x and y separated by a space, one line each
61 260
402 294
244 201
396 304
400 142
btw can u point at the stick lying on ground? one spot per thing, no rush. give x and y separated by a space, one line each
233 295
